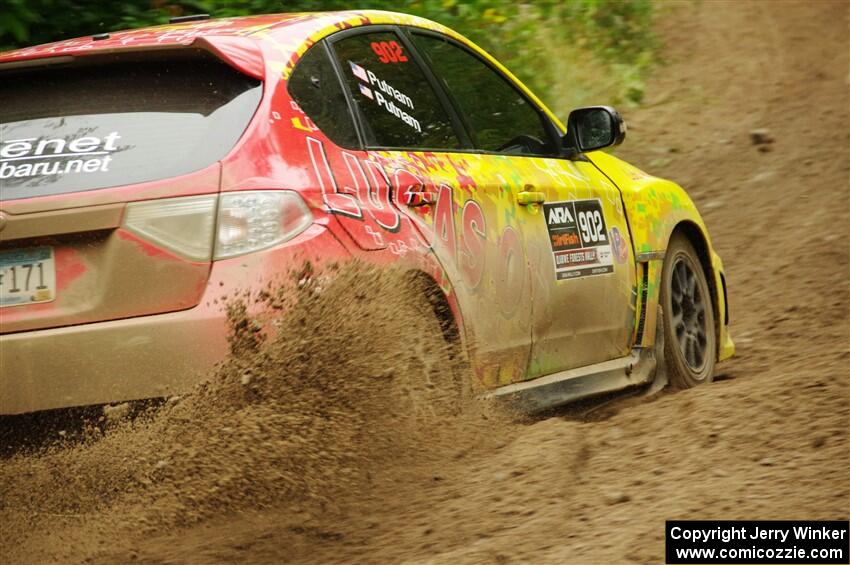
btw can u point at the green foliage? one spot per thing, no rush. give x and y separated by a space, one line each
570 52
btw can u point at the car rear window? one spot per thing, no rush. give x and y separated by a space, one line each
109 121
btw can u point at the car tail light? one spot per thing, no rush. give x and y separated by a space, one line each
183 225
246 222
250 221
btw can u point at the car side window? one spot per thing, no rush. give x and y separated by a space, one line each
397 103
500 118
316 88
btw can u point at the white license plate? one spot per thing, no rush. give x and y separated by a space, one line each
27 276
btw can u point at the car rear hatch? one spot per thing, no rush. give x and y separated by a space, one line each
109 176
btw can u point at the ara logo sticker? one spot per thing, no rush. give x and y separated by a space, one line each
560 214
579 238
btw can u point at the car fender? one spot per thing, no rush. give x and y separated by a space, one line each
656 208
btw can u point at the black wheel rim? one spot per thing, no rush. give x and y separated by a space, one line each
689 320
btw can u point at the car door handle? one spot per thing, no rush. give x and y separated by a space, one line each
527 197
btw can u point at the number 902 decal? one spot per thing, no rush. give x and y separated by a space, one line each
579 238
389 52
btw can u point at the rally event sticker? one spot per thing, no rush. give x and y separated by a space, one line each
579 236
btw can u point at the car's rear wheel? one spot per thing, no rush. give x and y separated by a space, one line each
690 342
435 381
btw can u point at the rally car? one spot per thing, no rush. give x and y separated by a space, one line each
145 175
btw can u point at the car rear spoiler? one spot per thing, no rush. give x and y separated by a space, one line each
241 53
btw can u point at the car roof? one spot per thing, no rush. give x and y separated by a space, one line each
259 27
289 34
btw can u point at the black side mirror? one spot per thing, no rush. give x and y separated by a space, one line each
593 128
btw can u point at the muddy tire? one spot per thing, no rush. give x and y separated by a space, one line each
690 342
435 382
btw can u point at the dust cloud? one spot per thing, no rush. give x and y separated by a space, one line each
335 381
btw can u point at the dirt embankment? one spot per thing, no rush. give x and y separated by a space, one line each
225 479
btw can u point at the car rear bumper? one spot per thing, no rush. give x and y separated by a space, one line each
146 356
108 361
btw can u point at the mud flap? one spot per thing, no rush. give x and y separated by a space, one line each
660 380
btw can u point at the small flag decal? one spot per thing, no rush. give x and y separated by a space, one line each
359 72
365 91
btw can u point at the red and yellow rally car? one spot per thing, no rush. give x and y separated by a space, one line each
146 174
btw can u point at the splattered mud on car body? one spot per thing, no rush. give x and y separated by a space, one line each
459 215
